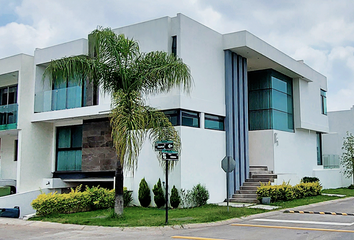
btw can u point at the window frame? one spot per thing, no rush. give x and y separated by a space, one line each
70 148
210 117
179 114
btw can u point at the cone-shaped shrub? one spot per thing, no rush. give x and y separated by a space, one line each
144 193
175 198
159 197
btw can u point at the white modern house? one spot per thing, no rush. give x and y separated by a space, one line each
249 101
339 124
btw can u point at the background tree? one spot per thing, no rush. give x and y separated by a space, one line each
347 158
116 64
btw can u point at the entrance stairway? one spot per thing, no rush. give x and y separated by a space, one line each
248 190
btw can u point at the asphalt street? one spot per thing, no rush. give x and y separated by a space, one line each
270 225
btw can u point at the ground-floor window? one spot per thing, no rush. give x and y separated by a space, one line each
214 122
179 117
69 148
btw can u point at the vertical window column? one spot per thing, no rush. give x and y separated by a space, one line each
323 102
319 148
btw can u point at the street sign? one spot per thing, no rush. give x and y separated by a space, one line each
163 145
228 164
169 155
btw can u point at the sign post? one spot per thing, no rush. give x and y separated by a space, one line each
228 164
165 147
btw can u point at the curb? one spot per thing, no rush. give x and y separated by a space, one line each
322 213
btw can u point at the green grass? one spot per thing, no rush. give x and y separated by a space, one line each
303 201
343 191
139 216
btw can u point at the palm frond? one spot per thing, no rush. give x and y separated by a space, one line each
74 68
160 72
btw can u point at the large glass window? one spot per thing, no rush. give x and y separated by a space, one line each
69 148
323 102
270 101
213 122
179 117
68 94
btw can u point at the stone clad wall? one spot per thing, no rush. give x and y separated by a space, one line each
98 153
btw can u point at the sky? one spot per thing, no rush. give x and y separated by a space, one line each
320 32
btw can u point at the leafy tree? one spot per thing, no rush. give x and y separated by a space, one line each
159 197
116 64
347 158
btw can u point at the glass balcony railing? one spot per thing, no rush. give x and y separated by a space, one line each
8 116
331 161
59 99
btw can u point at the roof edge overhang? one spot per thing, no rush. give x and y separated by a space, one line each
260 55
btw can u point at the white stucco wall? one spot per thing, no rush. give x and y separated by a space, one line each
295 155
7 153
261 148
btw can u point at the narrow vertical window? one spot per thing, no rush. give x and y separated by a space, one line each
323 102
174 45
319 148
16 150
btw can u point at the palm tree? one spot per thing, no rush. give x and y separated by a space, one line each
116 64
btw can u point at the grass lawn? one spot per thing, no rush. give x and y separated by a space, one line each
139 216
343 191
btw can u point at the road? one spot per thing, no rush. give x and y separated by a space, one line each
271 225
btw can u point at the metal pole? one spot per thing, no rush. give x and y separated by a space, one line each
166 192
227 182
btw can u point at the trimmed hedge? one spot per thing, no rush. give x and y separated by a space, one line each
286 192
77 201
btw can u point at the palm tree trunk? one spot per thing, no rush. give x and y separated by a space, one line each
118 201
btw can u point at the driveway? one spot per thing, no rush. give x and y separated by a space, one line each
271 225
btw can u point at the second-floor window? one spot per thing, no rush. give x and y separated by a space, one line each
8 105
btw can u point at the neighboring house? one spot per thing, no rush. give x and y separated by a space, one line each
340 122
249 101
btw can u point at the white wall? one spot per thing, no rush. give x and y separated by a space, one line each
310 115
261 148
8 165
295 156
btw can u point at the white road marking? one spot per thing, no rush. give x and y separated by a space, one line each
307 222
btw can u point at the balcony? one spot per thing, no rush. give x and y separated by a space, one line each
59 99
8 116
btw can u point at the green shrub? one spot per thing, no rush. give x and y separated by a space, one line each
175 198
159 197
77 201
200 195
127 197
101 197
309 179
144 193
72 202
286 192
351 186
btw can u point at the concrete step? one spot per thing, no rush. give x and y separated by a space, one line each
252 184
259 172
263 180
264 176
251 191
239 195
244 200
255 168
248 188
